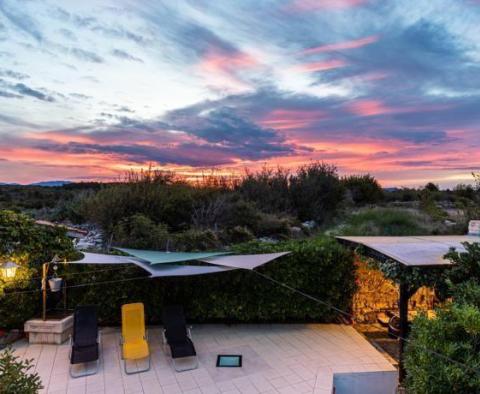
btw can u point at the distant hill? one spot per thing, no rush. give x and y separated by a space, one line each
50 183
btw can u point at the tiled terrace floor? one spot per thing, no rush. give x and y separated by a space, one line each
276 359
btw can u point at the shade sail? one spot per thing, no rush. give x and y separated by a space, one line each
184 270
155 257
218 262
153 270
98 258
245 261
413 251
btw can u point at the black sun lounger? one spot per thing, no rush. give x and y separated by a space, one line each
178 336
85 339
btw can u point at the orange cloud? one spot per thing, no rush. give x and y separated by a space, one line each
60 137
361 42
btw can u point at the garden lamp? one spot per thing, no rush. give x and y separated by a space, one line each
9 269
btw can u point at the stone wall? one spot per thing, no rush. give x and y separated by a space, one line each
376 294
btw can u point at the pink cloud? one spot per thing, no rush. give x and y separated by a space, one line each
361 42
322 65
286 119
221 67
372 107
368 108
312 5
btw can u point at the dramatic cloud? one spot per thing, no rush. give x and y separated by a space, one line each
101 87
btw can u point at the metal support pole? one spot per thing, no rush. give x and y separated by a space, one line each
403 315
64 296
44 290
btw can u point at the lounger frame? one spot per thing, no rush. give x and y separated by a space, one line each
97 362
175 365
125 361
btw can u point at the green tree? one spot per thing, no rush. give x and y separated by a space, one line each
364 189
317 192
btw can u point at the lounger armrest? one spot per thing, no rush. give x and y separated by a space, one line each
189 331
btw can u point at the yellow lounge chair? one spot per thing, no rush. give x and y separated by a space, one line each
134 336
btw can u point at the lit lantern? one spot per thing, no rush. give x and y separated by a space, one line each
9 269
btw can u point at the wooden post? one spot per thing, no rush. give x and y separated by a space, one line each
403 314
44 291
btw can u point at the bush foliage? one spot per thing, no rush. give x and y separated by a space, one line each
28 245
15 377
384 221
363 189
320 267
454 334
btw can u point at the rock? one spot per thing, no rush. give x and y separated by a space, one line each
309 224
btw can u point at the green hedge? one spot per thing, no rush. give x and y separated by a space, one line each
319 267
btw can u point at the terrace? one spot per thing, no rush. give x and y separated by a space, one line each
296 358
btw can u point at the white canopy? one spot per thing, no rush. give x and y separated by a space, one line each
244 261
218 262
414 251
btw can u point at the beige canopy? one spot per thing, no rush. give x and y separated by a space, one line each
413 250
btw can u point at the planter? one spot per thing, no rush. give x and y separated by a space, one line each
55 284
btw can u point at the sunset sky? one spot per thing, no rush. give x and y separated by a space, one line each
92 88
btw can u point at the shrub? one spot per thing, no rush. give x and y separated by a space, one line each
316 192
268 189
320 267
162 200
465 266
455 334
238 234
195 239
29 245
14 376
364 189
139 231
384 221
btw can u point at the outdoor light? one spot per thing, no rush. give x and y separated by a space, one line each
9 269
229 361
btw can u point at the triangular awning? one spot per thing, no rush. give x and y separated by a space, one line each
163 266
155 257
244 261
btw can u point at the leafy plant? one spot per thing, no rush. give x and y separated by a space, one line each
455 335
443 354
29 245
15 377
